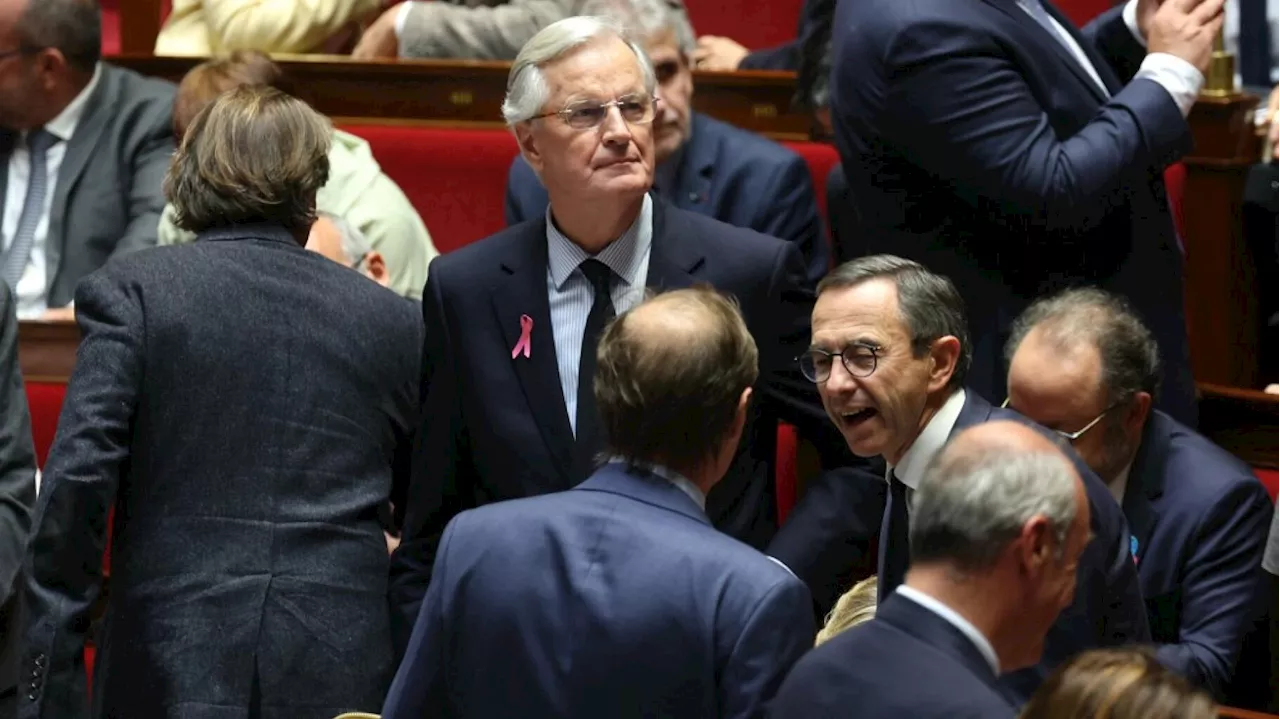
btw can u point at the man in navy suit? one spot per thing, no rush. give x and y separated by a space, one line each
703 165
512 320
889 355
991 141
999 523
618 598
1083 364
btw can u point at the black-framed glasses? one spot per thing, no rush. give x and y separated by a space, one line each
1073 436
859 360
586 114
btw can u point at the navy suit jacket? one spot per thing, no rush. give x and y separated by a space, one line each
1107 610
906 662
496 428
726 173
615 599
974 143
1199 520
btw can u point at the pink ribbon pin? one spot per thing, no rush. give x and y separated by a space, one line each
526 329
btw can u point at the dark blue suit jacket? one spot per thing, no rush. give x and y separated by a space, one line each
496 428
726 173
974 143
1108 609
1199 520
907 662
615 599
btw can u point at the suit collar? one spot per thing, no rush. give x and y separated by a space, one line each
644 486
696 170
1147 480
676 255
976 410
269 231
1036 37
929 628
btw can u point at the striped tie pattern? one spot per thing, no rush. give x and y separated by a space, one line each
15 259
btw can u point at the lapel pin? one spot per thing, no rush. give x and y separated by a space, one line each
526 330
1133 548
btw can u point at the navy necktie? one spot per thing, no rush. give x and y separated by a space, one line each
19 253
897 556
587 423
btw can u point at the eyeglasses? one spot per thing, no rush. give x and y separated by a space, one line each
859 360
1073 436
586 114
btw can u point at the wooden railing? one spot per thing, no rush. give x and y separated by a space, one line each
1230 713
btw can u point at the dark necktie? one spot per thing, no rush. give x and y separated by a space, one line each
15 259
897 556
587 424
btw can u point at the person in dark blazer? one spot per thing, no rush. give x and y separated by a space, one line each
17 498
997 145
999 523
242 404
889 356
1082 363
618 598
510 319
86 146
703 165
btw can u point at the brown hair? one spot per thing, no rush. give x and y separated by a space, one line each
204 82
670 374
1117 684
254 155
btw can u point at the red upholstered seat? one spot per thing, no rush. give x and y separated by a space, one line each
820 157
45 401
754 24
1270 479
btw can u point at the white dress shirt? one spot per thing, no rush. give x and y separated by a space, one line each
954 619
910 469
31 294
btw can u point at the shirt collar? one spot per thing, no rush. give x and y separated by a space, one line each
64 125
954 619
679 480
1121 482
624 256
910 469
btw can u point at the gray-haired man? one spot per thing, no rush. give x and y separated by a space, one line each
337 239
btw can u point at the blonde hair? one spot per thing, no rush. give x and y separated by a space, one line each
853 608
254 155
1117 684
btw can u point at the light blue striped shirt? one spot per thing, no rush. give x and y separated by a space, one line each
571 295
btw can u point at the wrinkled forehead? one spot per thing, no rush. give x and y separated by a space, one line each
601 70
866 312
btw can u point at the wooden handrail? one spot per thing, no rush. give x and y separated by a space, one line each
1233 713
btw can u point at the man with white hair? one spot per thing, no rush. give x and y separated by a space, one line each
703 165
512 321
1000 521
335 238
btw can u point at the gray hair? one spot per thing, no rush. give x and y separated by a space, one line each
930 305
527 89
1088 316
643 19
973 501
73 27
354 244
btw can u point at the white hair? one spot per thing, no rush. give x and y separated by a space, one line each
354 244
973 501
646 18
527 89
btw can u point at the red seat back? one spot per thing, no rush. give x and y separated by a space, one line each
1270 479
45 401
820 157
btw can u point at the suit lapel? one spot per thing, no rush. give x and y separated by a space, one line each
693 181
93 121
1038 36
644 486
1146 483
976 410
674 257
1100 64
522 290
7 140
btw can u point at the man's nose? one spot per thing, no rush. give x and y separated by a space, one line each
840 380
614 128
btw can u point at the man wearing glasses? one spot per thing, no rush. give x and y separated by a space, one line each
889 356
513 320
1084 365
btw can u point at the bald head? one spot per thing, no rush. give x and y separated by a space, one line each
1000 436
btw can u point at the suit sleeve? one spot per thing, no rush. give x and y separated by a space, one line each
778 632
780 57
444 30
288 26
64 559
1124 614
958 107
790 212
521 183
17 454
145 196
437 488
1220 587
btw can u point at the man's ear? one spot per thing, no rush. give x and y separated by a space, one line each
376 267
1135 415
1036 544
945 354
528 145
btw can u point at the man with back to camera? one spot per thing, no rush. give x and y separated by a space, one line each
889 356
999 523
1082 364
618 598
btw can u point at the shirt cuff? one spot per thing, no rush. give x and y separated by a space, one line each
1177 76
402 17
1130 15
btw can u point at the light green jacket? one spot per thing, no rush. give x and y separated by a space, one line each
361 194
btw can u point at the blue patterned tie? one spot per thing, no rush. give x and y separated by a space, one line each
15 259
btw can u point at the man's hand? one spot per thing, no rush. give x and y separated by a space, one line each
718 53
59 314
1186 29
1146 10
379 39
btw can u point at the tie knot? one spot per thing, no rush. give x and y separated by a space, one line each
598 274
40 140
